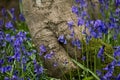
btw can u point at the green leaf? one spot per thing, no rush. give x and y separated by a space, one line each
86 69
29 44
88 78
33 56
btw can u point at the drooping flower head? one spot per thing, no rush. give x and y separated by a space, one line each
62 39
100 53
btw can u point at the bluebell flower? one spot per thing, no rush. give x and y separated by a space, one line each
83 14
22 35
108 75
4 12
83 58
49 56
62 39
38 69
8 38
29 53
110 69
100 53
8 68
5 69
28 78
15 72
101 1
98 72
72 34
14 77
42 49
9 25
1 62
80 22
17 43
75 10
24 59
17 56
77 1
118 63
77 43
118 77
10 59
97 23
12 11
117 12
21 17
94 34
117 53
70 24
117 2
24 68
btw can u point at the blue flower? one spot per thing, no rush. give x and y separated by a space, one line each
98 72
5 69
100 53
110 69
42 49
21 17
80 22
62 39
17 55
93 34
24 59
4 12
49 56
83 58
9 25
117 52
8 37
77 43
72 33
118 77
14 77
117 2
77 1
107 75
38 69
75 10
70 24
117 12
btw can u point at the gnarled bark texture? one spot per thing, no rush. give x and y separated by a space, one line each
47 20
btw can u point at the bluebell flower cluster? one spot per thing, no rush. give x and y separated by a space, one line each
15 49
105 28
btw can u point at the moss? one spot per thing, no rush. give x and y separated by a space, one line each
91 49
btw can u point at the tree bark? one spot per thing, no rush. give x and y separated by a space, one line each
47 20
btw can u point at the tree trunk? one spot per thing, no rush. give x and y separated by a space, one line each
47 20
